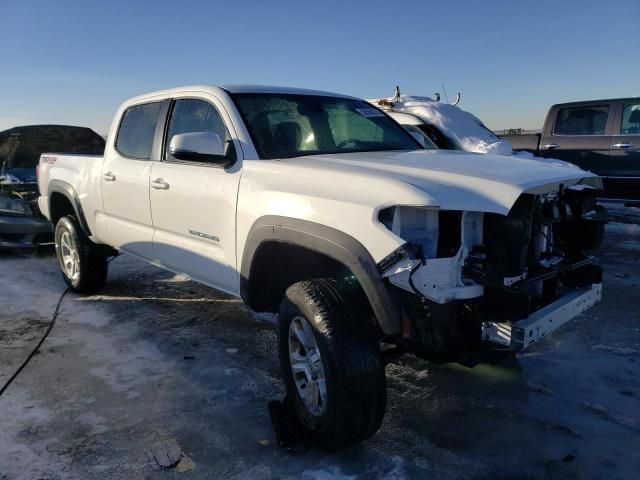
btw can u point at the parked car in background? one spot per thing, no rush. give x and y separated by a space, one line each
21 224
601 136
321 208
448 127
445 125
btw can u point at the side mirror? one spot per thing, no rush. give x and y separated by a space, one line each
199 147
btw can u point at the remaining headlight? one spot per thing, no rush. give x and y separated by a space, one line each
14 206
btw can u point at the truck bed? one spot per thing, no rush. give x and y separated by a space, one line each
81 172
523 142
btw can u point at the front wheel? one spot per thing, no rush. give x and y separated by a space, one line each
83 263
331 364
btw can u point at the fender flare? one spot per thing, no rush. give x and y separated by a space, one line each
332 243
67 190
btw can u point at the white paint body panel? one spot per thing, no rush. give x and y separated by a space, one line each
344 192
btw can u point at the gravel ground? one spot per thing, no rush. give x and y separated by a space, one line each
158 370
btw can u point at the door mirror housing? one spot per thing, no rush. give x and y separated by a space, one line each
199 147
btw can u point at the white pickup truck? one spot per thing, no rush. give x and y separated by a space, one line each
323 209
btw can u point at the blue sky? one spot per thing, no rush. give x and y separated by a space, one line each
73 62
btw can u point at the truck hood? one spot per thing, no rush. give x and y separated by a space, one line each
454 180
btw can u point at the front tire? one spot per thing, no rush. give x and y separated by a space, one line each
331 364
83 263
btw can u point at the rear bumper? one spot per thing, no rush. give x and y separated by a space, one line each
521 334
24 232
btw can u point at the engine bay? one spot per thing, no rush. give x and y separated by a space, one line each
464 270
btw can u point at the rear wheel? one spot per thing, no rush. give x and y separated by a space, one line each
83 263
331 364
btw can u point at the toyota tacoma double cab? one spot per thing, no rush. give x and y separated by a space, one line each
321 208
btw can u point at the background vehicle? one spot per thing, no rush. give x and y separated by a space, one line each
320 207
447 126
601 136
21 224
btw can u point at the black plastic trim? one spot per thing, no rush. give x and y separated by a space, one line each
328 241
58 186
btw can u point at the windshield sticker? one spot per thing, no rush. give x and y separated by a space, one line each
369 112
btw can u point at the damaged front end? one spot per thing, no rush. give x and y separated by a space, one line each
472 281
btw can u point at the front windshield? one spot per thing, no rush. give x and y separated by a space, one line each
292 125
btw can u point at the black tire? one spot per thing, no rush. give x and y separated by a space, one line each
92 258
353 367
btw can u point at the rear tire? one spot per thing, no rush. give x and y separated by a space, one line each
83 264
346 352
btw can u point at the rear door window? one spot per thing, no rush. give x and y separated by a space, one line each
137 130
630 119
589 120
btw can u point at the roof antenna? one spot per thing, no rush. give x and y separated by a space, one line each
455 102
396 95
437 96
444 90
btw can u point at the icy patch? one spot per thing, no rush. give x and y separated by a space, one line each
332 474
264 317
20 417
623 228
617 349
95 422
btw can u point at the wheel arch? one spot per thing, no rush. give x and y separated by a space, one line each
64 200
316 242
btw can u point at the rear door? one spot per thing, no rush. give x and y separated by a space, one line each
580 134
193 203
623 180
125 180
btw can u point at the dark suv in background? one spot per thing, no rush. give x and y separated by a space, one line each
21 224
602 136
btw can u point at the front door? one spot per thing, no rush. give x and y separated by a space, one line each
623 179
580 135
193 203
125 181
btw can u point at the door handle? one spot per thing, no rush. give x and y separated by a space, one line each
109 177
159 184
551 146
623 145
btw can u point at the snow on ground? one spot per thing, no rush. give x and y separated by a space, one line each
157 367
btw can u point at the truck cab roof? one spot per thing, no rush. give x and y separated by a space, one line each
234 89
595 102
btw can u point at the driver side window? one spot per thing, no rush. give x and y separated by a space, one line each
630 119
191 115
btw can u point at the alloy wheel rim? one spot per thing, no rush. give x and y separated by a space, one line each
69 256
306 366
